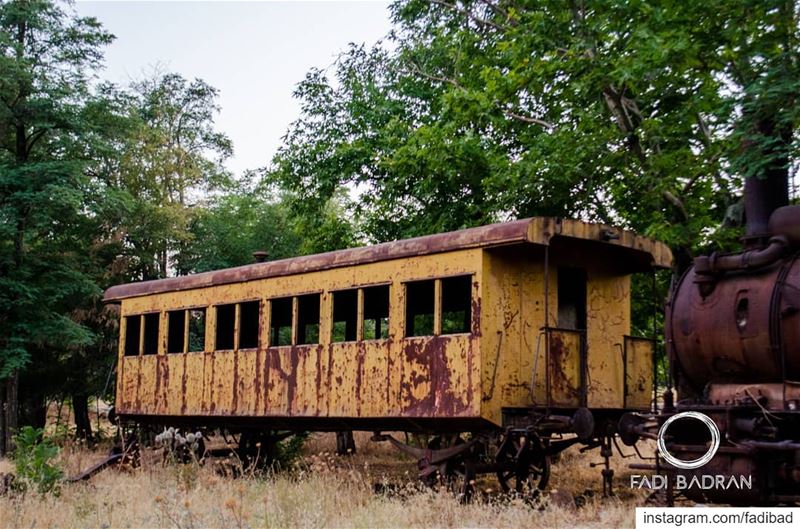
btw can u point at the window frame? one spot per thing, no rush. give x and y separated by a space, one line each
185 335
360 312
204 308
361 318
292 323
437 320
143 332
441 304
186 326
139 339
237 326
437 305
216 308
296 320
333 322
237 323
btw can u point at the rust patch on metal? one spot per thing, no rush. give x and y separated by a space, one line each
318 380
162 383
212 406
183 387
235 397
475 307
772 396
138 388
562 360
360 355
736 326
440 399
258 389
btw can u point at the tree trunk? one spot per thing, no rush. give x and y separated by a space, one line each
10 388
11 411
3 450
32 407
83 426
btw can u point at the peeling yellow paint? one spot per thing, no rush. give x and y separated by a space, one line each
502 362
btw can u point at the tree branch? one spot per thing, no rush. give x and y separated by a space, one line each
417 70
33 138
675 201
499 10
478 20
527 119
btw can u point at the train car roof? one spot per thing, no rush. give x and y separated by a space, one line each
636 253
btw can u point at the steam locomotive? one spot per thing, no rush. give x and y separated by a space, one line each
732 328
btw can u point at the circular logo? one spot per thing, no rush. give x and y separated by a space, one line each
692 463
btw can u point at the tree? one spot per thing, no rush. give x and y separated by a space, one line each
47 56
227 230
173 156
629 113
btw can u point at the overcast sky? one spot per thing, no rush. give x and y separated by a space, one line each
253 52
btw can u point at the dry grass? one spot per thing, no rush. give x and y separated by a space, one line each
324 491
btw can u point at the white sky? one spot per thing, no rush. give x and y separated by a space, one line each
253 52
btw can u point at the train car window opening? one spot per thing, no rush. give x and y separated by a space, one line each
226 323
280 326
133 325
571 298
151 333
376 312
249 315
420 307
308 319
456 304
197 330
345 316
176 327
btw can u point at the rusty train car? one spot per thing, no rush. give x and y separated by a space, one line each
501 340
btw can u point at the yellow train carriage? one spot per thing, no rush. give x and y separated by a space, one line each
449 332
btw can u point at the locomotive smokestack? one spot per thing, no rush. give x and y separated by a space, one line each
768 191
762 196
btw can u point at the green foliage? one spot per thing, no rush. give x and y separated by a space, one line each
171 158
288 451
230 227
329 227
34 461
99 185
47 55
632 113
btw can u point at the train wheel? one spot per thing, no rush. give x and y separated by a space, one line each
457 474
460 478
530 464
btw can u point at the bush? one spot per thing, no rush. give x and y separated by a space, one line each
289 450
34 460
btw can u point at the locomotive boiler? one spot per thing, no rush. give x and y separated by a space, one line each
732 328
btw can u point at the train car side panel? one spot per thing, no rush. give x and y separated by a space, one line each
391 375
